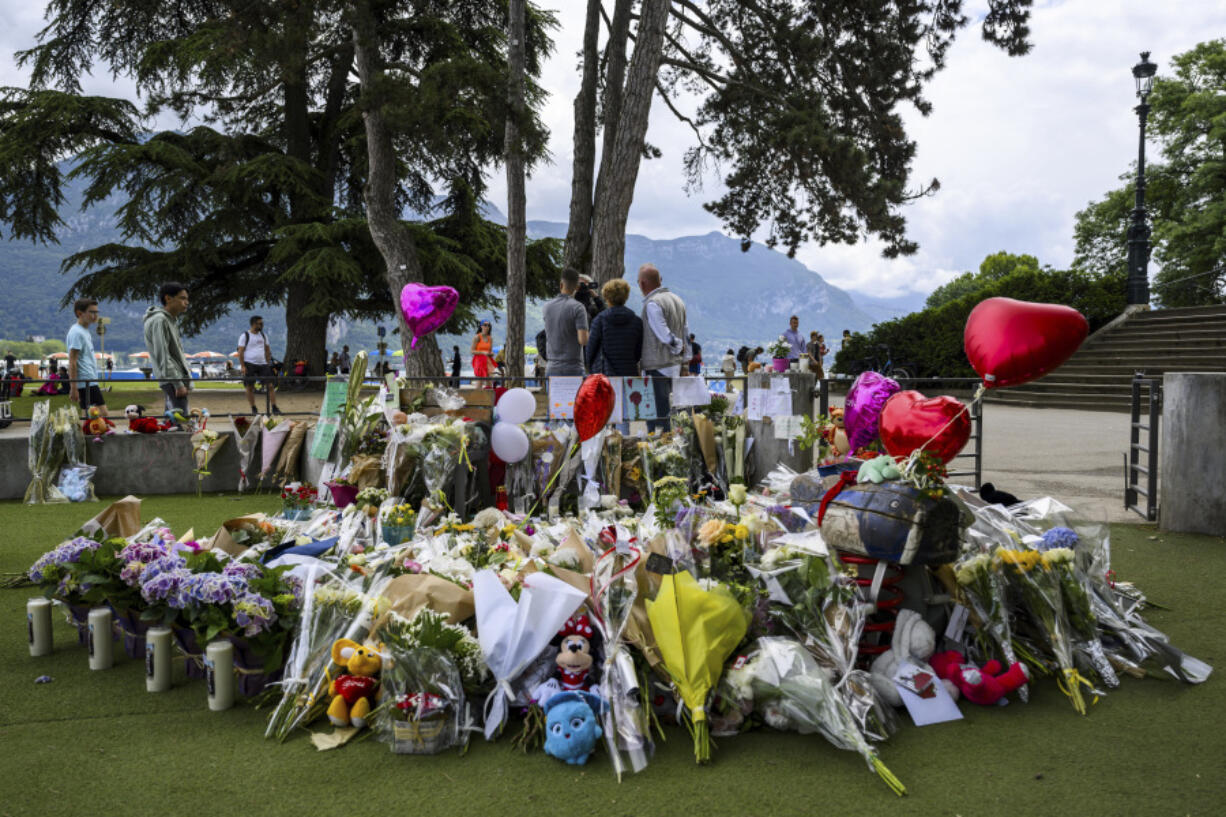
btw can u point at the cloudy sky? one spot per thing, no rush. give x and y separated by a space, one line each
1019 144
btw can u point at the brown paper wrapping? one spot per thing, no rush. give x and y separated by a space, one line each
367 471
287 459
612 457
704 430
409 593
223 541
120 518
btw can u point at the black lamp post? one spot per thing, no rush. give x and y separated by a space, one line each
1138 231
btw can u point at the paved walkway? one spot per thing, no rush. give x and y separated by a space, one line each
1074 456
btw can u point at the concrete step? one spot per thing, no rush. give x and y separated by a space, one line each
1183 313
1159 340
1183 363
1017 396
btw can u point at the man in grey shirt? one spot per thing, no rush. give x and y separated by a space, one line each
565 328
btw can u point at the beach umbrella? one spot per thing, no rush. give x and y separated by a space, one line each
58 356
141 355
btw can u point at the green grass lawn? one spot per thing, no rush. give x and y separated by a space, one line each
97 743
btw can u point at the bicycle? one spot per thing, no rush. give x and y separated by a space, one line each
883 363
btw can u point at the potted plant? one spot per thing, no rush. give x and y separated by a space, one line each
297 500
343 491
780 350
397 523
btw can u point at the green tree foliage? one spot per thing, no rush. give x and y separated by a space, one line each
1185 192
262 204
28 350
993 268
930 342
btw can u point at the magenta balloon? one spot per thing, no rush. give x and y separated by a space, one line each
426 308
862 410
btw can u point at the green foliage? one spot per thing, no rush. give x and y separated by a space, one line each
1185 193
993 268
931 341
802 108
28 350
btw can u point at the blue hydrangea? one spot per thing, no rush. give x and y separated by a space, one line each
1060 537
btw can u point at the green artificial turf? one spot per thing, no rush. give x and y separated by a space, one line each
96 743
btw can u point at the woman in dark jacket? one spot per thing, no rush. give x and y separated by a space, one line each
615 339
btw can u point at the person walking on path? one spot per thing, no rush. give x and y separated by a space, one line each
342 362
566 328
455 367
82 365
665 330
695 357
795 340
482 351
255 358
166 349
615 342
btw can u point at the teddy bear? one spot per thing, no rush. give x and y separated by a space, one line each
574 661
835 434
140 424
914 640
353 692
97 425
985 685
572 725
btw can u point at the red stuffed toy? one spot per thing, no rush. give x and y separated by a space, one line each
140 424
97 425
984 685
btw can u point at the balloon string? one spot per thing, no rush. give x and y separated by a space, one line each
978 396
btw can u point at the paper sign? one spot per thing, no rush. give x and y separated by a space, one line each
334 399
777 404
780 385
718 386
690 391
787 426
638 428
640 399
738 405
757 403
562 391
932 704
325 435
618 414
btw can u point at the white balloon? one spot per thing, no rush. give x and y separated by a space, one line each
509 442
516 406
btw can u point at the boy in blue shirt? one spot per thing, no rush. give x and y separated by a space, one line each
82 365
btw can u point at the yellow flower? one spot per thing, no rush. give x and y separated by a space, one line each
1022 560
727 537
710 531
741 532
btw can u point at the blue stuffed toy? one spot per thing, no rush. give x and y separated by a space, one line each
572 725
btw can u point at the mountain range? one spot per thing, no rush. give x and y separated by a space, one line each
732 297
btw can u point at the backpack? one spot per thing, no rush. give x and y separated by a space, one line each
740 354
540 344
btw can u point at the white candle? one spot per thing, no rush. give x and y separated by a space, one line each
157 659
101 652
219 674
38 625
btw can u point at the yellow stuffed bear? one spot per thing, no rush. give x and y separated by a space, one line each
353 693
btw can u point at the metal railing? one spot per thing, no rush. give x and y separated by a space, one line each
1136 474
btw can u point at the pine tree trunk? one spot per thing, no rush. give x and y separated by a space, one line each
583 168
390 236
615 192
517 227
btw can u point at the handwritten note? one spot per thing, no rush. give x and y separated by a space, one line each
640 399
562 391
787 426
780 385
325 436
335 395
777 403
757 404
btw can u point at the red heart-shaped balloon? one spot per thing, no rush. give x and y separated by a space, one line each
941 425
593 405
1010 342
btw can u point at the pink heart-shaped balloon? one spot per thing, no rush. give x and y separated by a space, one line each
426 308
941 425
1011 342
862 408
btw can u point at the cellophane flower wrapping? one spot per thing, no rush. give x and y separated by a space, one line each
55 439
627 727
332 608
792 692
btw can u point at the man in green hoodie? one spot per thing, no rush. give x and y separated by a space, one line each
165 349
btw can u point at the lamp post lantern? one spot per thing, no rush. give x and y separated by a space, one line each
1138 231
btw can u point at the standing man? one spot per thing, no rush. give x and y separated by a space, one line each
795 340
166 349
82 365
664 345
343 360
566 328
455 367
695 357
10 362
255 358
